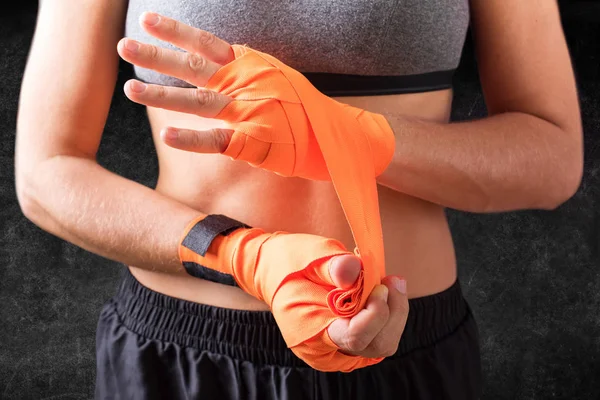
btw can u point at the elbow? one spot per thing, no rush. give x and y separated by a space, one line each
27 188
26 163
566 180
29 205
567 187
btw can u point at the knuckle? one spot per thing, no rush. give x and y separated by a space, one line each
388 350
189 138
153 53
356 343
205 39
384 348
174 26
161 92
197 140
393 348
204 97
220 139
196 63
405 308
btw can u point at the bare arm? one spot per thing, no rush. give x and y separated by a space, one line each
529 152
65 97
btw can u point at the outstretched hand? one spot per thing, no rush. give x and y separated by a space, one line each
204 55
274 118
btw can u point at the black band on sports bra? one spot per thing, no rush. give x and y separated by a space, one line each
374 85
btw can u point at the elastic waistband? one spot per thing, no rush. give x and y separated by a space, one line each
253 335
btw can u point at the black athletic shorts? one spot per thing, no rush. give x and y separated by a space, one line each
152 346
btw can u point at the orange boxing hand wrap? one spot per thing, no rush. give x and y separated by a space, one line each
289 272
283 124
277 115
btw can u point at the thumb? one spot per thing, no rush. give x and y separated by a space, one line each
213 140
344 270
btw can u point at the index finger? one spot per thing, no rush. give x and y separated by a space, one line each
186 37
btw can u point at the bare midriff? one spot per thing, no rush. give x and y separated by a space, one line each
417 240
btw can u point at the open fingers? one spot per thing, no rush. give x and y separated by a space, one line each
190 67
198 101
188 38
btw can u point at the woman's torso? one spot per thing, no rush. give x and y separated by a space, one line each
417 240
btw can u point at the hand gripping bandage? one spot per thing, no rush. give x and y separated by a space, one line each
288 271
283 124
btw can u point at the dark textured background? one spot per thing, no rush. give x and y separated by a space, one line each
532 277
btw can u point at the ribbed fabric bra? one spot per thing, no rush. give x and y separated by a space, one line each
344 47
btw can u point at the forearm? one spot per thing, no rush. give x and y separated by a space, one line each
504 162
81 202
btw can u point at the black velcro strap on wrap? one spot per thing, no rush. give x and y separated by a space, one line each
204 232
202 272
199 239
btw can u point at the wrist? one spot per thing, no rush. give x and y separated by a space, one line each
381 139
207 245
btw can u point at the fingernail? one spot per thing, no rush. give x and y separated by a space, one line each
150 19
384 293
137 87
171 134
131 45
399 284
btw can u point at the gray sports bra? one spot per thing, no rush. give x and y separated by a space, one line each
344 47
